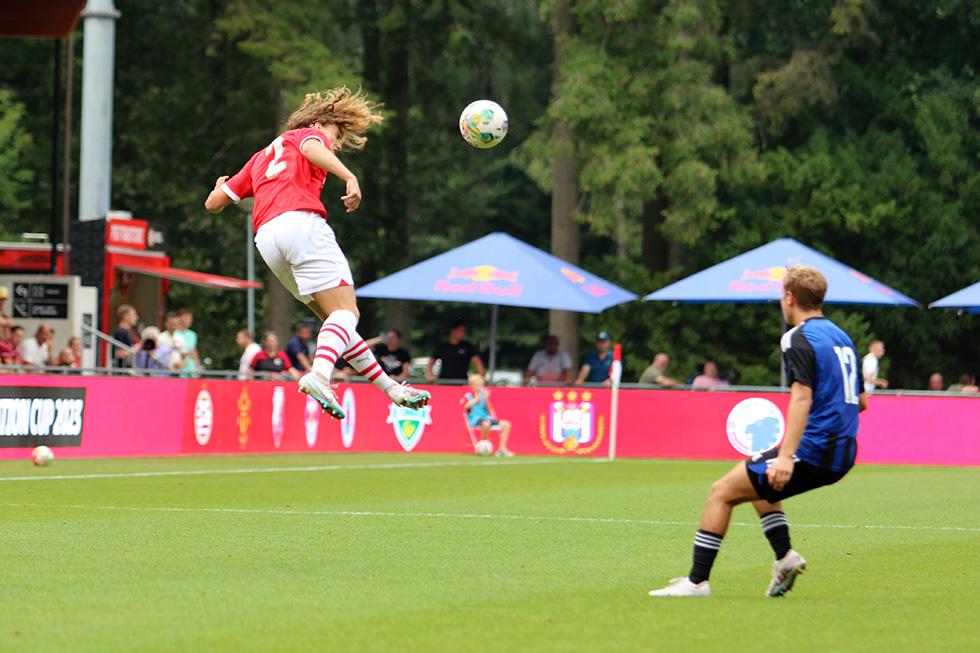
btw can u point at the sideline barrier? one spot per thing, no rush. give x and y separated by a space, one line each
109 417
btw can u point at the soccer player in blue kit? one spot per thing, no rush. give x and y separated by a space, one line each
826 395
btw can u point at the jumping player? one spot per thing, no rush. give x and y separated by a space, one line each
826 395
294 239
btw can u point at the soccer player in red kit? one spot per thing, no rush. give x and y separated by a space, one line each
294 239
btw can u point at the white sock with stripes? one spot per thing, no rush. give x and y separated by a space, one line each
362 359
336 335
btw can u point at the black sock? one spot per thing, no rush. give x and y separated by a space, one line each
776 529
706 547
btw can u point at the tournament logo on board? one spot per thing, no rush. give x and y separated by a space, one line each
203 417
311 421
244 420
755 425
408 424
571 425
349 422
278 414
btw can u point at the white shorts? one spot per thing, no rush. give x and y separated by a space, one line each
301 250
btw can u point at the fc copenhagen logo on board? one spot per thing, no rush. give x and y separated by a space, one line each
571 425
755 425
349 422
203 417
409 424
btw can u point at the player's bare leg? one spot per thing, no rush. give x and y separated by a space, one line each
727 492
338 337
789 564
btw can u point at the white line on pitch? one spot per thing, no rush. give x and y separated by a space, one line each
446 515
314 468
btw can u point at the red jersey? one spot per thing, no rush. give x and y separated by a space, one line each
280 178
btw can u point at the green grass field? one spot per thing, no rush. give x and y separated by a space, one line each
381 552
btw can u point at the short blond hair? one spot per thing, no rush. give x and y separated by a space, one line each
352 112
808 286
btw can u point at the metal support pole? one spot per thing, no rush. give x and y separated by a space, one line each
250 257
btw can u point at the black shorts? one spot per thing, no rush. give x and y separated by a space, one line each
805 477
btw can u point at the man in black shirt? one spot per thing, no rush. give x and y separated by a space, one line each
456 355
393 359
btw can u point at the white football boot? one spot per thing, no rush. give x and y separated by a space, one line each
405 395
316 386
683 587
784 573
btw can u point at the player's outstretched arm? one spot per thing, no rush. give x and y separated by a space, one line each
217 199
323 158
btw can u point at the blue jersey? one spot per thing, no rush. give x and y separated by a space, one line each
821 356
598 367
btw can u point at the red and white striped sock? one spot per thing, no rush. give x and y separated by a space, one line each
362 359
335 336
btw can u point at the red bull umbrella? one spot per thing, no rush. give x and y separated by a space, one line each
757 276
499 269
967 300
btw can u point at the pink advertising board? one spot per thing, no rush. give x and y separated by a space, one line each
107 417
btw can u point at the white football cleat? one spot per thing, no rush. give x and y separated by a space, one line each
316 386
504 453
683 587
784 573
405 395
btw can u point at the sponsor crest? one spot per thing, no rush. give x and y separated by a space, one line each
278 414
244 420
312 421
408 424
203 417
350 418
571 425
755 425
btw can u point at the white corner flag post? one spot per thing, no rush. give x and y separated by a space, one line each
615 373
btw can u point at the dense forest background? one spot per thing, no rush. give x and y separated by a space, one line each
652 137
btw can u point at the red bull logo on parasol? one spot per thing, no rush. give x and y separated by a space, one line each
765 280
481 280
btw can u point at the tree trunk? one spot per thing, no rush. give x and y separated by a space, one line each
398 98
656 249
279 313
565 194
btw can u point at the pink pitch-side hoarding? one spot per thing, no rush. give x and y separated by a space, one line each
105 417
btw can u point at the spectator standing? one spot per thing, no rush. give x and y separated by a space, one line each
270 359
968 383
76 345
8 349
249 349
170 344
709 377
37 350
456 354
393 359
549 365
147 356
126 320
192 362
595 367
869 367
936 382
655 373
298 347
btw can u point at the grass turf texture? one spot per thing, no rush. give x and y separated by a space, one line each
450 553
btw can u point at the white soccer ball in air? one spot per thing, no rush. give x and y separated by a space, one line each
42 455
484 448
483 124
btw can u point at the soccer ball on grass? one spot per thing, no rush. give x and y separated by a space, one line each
41 456
484 448
483 124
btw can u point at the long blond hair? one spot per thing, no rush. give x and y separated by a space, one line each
352 112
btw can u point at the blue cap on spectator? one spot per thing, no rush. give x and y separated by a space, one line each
602 335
